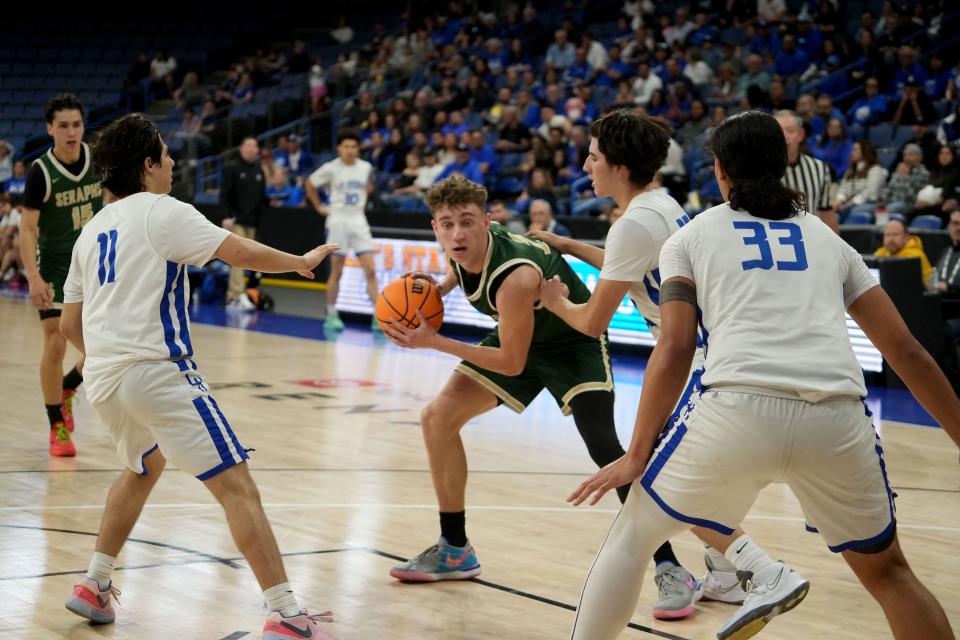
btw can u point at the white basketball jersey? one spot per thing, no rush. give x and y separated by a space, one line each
632 250
772 298
346 184
129 271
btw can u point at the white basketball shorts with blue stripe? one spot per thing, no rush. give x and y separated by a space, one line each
167 404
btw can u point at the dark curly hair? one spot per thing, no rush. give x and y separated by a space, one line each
637 142
120 151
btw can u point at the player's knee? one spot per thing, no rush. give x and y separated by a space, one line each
54 345
435 422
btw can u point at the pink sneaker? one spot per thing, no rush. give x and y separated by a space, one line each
297 627
89 602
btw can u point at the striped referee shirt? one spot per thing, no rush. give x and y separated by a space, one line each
811 177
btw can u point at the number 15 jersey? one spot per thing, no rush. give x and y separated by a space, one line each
772 298
129 271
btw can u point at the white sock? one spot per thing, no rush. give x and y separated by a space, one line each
101 569
280 598
720 562
747 556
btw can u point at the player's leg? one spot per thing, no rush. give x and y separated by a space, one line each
911 610
367 261
236 287
51 383
332 320
461 399
71 380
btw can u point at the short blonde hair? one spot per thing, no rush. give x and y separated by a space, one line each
456 191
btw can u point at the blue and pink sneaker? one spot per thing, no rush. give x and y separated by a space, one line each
442 561
297 627
90 602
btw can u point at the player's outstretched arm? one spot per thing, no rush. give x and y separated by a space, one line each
587 252
880 320
593 316
662 387
250 254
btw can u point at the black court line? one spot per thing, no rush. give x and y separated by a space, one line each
571 474
209 556
378 552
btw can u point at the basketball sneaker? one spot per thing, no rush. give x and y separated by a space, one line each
441 561
721 586
61 445
332 322
67 408
774 590
678 591
297 627
90 602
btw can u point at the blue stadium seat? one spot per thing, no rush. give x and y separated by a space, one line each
886 156
509 184
927 222
590 206
901 135
880 134
859 217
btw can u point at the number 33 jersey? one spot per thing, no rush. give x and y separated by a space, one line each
772 298
129 271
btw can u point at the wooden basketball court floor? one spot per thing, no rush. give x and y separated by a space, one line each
344 478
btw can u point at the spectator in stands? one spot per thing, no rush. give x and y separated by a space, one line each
862 182
946 277
17 182
938 78
210 117
243 194
948 132
869 109
765 40
695 124
279 191
833 146
462 165
6 160
162 68
540 187
898 243
723 89
910 176
514 137
771 10
941 195
914 106
343 33
580 70
698 72
909 71
778 100
755 75
791 61
139 70
190 94
507 217
658 104
680 28
483 154
825 111
615 70
244 90
294 158
560 54
10 261
541 219
645 84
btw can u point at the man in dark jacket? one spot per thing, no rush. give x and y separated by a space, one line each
244 195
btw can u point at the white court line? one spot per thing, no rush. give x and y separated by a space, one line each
346 505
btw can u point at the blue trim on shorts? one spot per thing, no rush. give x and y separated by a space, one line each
233 437
144 457
220 468
854 544
214 430
654 469
810 529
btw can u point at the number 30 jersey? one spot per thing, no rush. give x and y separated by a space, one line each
346 185
772 298
129 271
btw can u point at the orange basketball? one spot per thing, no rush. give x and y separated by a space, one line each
401 299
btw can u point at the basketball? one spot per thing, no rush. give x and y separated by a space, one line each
401 299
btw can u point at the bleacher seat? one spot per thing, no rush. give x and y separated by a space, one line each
927 222
901 135
886 156
880 134
859 217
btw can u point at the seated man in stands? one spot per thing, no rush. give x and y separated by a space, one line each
898 243
541 219
946 278
908 178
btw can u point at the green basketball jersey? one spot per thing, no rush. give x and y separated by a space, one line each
70 202
505 251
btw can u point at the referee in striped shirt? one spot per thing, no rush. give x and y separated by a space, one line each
806 174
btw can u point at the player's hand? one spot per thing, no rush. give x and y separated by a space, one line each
421 275
552 291
312 258
552 239
228 223
41 294
323 211
622 471
421 337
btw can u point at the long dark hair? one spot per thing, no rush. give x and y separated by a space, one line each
752 150
868 158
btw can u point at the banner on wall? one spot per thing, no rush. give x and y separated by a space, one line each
395 256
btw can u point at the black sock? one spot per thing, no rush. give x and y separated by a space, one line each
54 414
453 527
665 554
73 379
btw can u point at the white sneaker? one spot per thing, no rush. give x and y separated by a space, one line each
774 590
721 586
